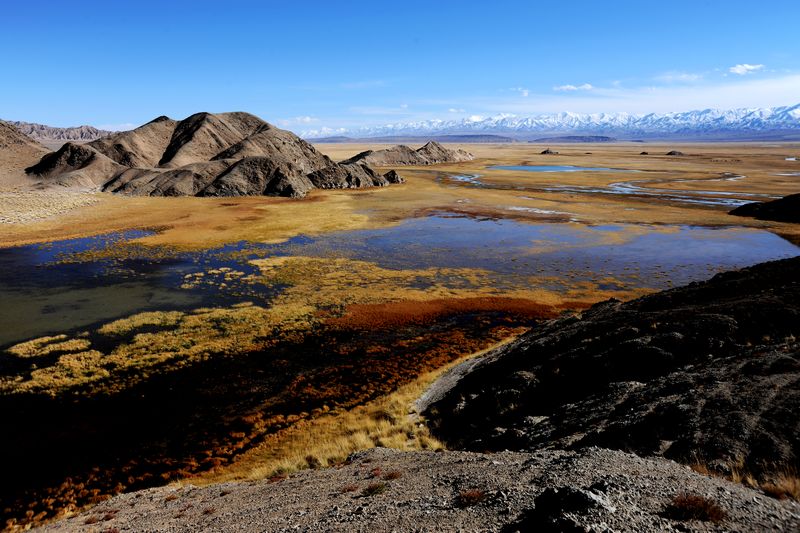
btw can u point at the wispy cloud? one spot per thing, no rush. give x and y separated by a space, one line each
363 84
456 110
298 120
678 77
745 68
521 90
582 87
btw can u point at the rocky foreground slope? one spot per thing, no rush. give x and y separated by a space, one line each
430 154
708 373
227 154
384 490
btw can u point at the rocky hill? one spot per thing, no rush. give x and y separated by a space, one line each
40 132
430 154
786 209
227 154
17 151
708 373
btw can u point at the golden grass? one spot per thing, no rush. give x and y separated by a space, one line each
389 421
783 485
190 336
783 482
47 345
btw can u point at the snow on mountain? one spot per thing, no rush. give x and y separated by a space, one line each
698 123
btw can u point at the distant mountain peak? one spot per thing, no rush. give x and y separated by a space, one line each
772 122
41 132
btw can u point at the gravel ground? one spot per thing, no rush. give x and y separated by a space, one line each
589 490
22 206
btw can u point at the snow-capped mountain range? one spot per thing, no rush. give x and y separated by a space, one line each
734 123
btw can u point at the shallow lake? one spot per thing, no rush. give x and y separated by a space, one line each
58 287
556 168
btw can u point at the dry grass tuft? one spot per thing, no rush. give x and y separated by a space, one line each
348 488
470 497
392 475
782 487
694 507
373 489
780 484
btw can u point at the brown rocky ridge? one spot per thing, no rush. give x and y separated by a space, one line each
226 154
431 153
16 152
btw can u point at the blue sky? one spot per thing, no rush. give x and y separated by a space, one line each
315 65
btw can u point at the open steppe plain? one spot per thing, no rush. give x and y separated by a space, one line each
271 334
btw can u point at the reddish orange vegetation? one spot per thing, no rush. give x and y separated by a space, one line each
417 313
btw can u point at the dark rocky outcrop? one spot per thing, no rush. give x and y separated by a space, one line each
227 154
431 153
706 373
393 177
75 165
786 209
548 151
675 152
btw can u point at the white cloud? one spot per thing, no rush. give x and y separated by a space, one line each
475 118
521 90
456 110
679 77
403 106
745 68
583 87
298 120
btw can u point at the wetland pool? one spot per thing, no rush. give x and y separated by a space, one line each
62 286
